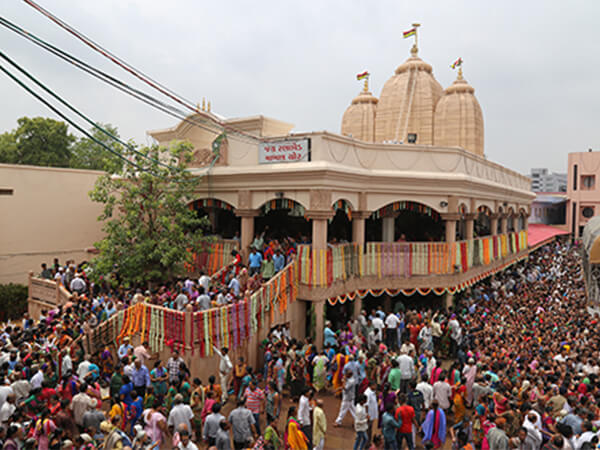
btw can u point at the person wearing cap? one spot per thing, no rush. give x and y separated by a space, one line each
180 414
124 348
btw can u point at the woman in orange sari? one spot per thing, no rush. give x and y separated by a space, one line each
337 381
459 402
293 437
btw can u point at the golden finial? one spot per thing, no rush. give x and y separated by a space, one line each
197 106
460 75
209 106
366 87
415 48
203 104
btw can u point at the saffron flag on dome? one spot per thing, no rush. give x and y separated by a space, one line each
362 76
409 33
456 63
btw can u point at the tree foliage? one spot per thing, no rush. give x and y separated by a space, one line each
37 141
148 224
87 154
40 141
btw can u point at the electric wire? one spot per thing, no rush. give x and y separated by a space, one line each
114 82
65 118
115 59
80 114
126 66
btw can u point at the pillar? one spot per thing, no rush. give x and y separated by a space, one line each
357 307
319 233
319 308
358 227
469 226
504 224
448 300
387 233
247 229
494 224
387 303
450 220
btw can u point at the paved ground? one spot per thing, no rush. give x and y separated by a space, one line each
336 438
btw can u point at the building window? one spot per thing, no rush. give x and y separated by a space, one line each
412 138
587 212
588 182
575 177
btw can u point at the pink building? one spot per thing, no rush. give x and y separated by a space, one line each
582 191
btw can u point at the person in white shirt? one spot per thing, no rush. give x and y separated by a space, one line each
391 330
84 367
348 394
361 423
378 325
180 414
406 364
304 409
7 409
427 390
5 391
204 281
442 392
37 379
372 407
67 363
225 368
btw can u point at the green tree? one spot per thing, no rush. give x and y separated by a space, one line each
40 141
87 154
8 148
148 224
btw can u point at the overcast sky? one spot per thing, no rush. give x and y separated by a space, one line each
535 65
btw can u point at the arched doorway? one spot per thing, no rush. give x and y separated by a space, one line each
412 222
281 218
511 220
340 225
483 223
221 220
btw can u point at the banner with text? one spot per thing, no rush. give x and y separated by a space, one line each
284 151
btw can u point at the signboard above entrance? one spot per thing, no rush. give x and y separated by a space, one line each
284 151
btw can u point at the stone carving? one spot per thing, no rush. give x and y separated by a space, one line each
244 199
320 199
203 157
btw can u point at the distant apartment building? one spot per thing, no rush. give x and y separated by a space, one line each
542 180
583 193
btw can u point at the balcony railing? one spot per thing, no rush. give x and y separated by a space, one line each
320 268
212 256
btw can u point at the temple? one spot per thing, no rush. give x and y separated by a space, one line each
403 200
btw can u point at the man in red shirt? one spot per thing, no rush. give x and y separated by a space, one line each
407 414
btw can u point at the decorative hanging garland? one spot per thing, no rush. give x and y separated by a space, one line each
296 209
390 209
342 205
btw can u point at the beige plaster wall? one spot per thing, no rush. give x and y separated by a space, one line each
49 214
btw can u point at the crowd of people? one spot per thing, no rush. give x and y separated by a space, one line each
513 365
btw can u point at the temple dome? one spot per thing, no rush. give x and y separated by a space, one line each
407 103
458 118
359 118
